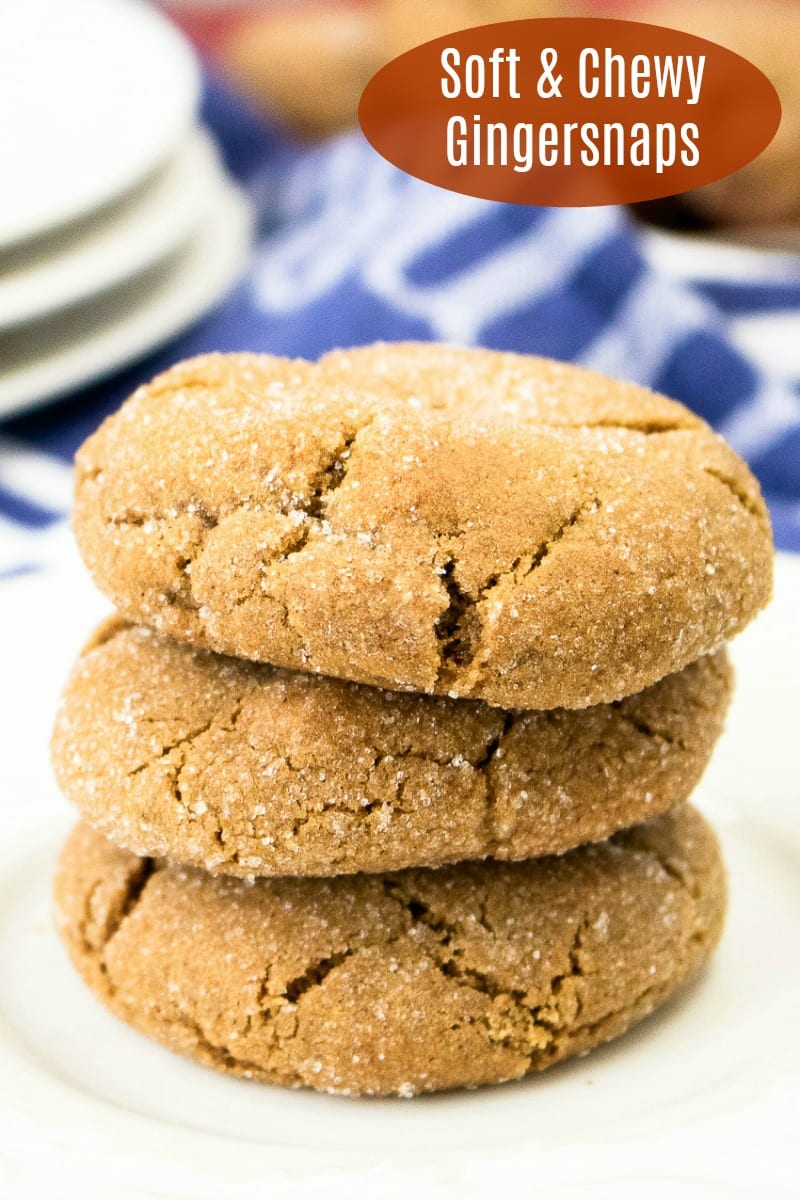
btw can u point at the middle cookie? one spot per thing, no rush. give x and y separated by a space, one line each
245 769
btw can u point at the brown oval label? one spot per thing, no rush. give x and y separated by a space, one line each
569 111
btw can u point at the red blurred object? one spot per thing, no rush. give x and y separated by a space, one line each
209 26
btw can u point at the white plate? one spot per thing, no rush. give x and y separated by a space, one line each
699 1101
95 94
113 245
40 362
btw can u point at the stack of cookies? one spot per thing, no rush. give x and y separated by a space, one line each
383 763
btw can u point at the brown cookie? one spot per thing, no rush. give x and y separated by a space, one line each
247 769
305 65
422 518
396 984
765 192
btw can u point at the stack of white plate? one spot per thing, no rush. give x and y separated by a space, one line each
118 224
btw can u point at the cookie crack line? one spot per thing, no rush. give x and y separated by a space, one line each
646 428
220 1054
540 554
746 501
494 750
459 629
86 917
225 725
333 473
311 509
545 1017
179 744
420 914
135 887
314 976
668 865
560 1036
327 480
417 910
481 765
392 806
645 728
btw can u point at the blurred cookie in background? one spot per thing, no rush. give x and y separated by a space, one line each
306 64
766 192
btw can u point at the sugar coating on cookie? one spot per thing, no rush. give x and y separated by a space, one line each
422 518
249 770
400 983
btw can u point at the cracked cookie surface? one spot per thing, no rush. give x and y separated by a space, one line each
248 769
439 520
400 983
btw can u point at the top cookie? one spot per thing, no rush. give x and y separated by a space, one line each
433 519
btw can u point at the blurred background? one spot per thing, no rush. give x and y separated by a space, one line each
189 176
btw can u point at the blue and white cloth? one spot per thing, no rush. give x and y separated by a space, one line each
350 250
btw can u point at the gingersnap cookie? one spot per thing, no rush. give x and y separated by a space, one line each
248 769
466 522
400 983
765 192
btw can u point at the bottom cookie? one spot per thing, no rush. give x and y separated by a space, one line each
396 984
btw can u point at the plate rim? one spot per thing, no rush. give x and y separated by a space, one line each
167 224
110 349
